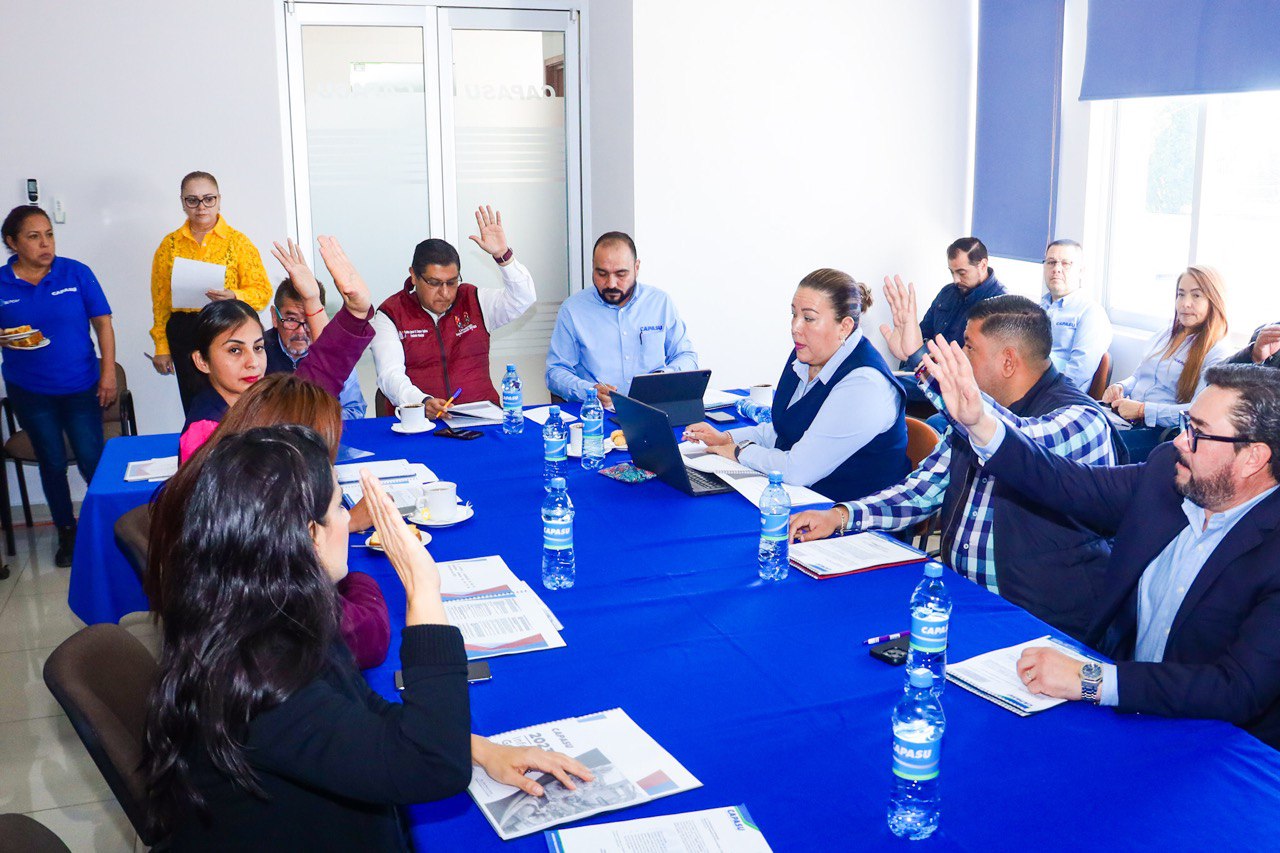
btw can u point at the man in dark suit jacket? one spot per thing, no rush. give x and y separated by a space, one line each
1191 605
1263 348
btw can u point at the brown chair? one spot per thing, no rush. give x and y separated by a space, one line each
102 677
117 420
921 441
1101 377
381 405
22 834
133 531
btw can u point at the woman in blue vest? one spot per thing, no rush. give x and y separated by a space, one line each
60 386
838 412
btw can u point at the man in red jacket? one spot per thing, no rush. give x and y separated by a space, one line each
432 337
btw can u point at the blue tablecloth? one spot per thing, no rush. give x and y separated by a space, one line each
764 692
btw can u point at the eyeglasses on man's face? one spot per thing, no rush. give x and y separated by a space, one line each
1050 263
194 201
436 283
290 322
1195 436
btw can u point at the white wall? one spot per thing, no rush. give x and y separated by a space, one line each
772 139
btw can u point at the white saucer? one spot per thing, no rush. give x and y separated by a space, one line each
465 511
426 539
403 430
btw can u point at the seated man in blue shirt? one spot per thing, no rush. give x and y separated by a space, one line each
608 334
288 341
1190 610
1081 329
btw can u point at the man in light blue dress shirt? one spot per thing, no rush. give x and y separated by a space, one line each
1081 328
608 334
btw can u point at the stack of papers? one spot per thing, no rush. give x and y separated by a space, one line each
497 613
402 479
629 767
847 555
720 399
750 484
468 415
725 830
539 415
153 470
994 676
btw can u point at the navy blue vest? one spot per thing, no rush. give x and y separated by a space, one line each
1046 562
879 463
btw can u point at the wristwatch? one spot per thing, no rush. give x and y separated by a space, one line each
505 256
1091 682
741 446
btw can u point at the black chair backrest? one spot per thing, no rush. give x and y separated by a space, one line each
102 677
132 536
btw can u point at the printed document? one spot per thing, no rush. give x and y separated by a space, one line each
151 469
726 830
497 613
192 279
629 767
720 399
994 676
746 482
402 479
539 415
467 415
858 552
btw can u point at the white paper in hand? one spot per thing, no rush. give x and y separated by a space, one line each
191 280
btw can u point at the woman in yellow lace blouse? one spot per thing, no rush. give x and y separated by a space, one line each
204 237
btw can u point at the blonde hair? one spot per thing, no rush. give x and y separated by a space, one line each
1207 334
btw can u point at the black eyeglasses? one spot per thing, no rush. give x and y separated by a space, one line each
194 201
1195 436
437 283
290 323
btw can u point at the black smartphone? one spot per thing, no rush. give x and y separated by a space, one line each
720 417
893 652
450 432
476 672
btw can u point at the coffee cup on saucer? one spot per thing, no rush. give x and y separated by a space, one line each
762 395
412 417
439 501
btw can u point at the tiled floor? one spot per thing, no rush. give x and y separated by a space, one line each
44 769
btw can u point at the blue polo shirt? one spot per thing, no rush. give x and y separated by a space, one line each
60 307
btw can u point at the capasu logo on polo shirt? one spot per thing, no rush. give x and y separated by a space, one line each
64 290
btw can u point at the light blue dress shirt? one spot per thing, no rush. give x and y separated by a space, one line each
860 406
1164 583
351 399
594 341
1155 382
1081 334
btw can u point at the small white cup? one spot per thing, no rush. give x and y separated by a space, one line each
441 500
762 395
575 439
412 416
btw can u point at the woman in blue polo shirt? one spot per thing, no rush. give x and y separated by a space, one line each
62 386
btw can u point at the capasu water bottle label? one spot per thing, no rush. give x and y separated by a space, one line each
555 449
774 526
929 633
592 425
511 399
557 535
916 761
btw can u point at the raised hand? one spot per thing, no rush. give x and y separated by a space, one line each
295 264
491 238
904 337
355 293
411 561
1266 345
949 366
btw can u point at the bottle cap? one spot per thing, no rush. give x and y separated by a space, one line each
933 569
511 368
775 477
553 412
557 483
921 678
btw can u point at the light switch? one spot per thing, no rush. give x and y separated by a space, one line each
59 211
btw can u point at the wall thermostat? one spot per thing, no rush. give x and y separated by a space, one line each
33 191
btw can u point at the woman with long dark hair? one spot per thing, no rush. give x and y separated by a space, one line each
261 733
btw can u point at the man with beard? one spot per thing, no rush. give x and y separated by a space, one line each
607 335
289 340
1190 610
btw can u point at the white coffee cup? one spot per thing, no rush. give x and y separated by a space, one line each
575 439
412 416
441 500
762 395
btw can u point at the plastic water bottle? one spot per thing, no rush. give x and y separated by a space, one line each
754 411
512 402
558 570
592 432
930 619
775 515
555 447
918 724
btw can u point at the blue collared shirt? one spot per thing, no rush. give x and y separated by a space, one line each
1081 334
860 406
595 342
1155 382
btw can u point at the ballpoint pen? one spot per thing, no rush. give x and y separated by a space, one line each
871 641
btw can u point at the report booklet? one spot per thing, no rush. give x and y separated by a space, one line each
994 676
629 767
402 479
497 613
847 555
145 470
725 830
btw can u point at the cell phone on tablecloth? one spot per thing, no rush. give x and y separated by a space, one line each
720 417
462 434
477 671
893 652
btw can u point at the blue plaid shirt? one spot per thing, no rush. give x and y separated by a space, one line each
1079 433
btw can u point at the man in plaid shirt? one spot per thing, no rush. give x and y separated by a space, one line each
1036 558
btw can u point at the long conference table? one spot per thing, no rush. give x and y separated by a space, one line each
763 691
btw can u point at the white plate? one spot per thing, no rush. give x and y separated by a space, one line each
426 539
403 430
44 343
465 511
